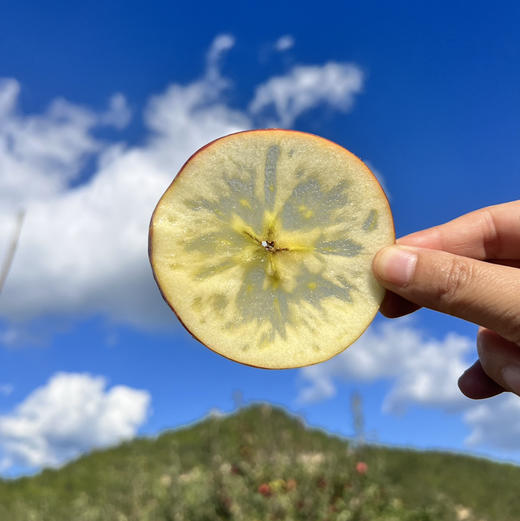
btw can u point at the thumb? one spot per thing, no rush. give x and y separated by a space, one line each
481 292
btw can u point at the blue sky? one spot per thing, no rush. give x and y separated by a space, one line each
99 107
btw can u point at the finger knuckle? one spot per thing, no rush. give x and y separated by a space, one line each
454 279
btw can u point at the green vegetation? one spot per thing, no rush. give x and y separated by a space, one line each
261 464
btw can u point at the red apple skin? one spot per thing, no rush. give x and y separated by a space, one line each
211 143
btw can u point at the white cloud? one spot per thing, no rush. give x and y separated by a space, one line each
68 416
41 154
305 87
82 250
220 45
421 370
495 423
284 43
118 114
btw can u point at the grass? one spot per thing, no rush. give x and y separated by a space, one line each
262 464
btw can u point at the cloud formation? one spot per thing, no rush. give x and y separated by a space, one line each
69 415
284 43
307 86
41 154
420 371
495 423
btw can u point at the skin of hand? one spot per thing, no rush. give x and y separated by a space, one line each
468 268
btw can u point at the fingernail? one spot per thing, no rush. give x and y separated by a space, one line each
396 265
511 377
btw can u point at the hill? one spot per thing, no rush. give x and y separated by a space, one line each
257 464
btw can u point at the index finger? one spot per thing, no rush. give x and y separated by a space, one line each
491 233
486 234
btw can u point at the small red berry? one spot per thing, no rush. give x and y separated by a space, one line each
361 467
264 489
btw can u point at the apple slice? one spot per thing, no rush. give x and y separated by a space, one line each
263 244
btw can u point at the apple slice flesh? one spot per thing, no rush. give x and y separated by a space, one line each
263 244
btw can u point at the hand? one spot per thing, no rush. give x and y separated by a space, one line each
469 268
